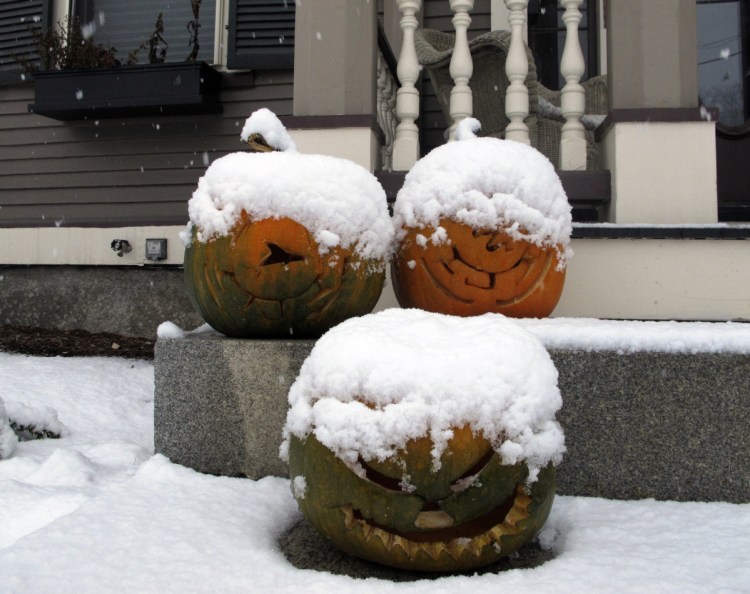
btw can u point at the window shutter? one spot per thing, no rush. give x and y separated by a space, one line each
16 17
261 34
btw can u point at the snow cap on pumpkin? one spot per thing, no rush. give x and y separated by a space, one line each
267 124
375 382
339 202
487 183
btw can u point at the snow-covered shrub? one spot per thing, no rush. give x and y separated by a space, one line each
8 438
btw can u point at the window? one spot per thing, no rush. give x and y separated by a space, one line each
722 59
547 39
128 25
259 33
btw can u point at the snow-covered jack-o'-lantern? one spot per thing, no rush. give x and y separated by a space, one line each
280 243
483 225
425 441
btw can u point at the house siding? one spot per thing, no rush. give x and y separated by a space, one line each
121 171
438 15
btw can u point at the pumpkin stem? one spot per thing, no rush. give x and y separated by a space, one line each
258 144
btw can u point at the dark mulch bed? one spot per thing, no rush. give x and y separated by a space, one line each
45 342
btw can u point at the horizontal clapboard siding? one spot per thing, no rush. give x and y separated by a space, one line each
17 17
119 172
438 16
261 34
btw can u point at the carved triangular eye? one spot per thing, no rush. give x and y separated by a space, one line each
278 255
391 484
467 478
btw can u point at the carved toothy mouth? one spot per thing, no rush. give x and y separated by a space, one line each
527 273
472 536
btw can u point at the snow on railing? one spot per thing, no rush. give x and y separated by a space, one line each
573 143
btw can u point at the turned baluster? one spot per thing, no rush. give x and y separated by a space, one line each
517 68
461 66
406 144
573 98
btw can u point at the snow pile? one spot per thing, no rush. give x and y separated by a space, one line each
487 183
339 202
93 513
590 334
8 438
171 331
33 422
375 382
468 128
265 123
102 408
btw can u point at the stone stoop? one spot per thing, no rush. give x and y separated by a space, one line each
637 425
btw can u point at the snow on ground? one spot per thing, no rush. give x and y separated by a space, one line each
96 511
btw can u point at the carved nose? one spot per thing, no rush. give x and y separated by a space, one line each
433 519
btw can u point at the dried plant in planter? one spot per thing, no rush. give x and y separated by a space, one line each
157 45
64 47
193 28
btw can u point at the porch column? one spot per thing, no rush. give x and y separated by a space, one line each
661 153
335 77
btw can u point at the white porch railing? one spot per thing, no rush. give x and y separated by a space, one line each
572 66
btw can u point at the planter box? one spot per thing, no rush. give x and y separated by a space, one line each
127 91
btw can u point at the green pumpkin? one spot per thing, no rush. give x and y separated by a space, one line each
267 279
470 512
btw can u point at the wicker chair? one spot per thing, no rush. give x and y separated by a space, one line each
489 84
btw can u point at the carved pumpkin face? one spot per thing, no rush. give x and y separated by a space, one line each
267 278
476 272
472 511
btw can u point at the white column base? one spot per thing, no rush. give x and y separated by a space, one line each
658 279
662 172
355 144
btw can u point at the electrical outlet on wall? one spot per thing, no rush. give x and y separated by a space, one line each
156 249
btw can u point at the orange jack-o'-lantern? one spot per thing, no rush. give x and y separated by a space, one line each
483 226
284 244
472 272
475 510
438 451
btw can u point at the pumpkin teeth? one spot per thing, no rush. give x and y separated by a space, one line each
384 536
403 544
368 530
520 509
456 547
